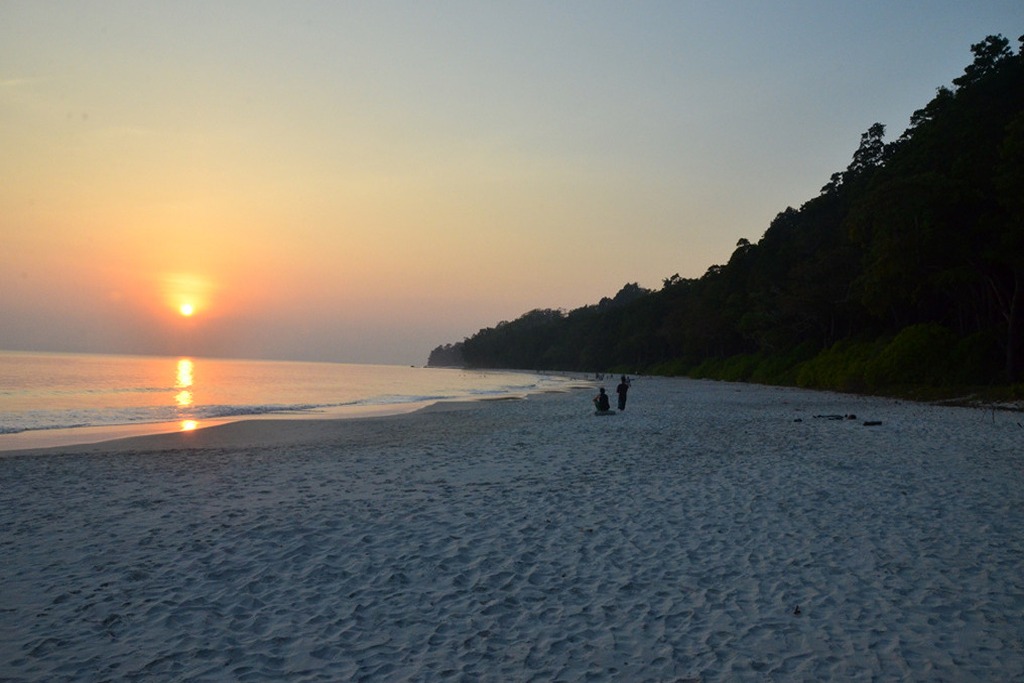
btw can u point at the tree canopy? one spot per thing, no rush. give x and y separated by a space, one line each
907 268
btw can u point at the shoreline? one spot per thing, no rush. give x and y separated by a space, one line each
93 438
112 397
74 437
242 433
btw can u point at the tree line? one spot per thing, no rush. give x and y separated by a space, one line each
907 269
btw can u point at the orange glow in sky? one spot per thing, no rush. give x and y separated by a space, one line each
186 293
347 182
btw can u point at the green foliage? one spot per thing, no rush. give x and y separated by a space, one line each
839 368
671 368
760 367
737 368
784 368
918 355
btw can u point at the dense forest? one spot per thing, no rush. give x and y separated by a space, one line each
906 270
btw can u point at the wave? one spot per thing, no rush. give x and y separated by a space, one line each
8 429
237 389
50 420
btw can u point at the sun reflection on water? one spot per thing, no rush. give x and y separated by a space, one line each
186 369
184 382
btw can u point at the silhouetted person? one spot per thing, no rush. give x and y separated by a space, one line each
621 391
601 402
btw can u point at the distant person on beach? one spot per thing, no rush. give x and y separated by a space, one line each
621 391
601 402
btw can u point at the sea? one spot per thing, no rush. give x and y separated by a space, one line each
49 399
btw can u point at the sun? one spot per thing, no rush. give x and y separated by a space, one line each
186 295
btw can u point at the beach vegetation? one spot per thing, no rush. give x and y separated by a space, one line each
919 354
906 270
842 367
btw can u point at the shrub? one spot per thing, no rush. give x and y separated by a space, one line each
918 355
671 368
840 367
739 368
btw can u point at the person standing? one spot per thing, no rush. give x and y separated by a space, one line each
621 391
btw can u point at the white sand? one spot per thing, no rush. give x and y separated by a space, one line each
529 540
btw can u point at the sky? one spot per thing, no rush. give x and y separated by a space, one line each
363 181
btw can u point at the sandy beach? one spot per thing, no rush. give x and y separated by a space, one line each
711 532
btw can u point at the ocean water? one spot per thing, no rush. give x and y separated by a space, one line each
44 391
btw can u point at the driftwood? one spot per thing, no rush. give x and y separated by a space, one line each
867 423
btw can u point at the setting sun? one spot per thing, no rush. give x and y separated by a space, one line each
186 294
